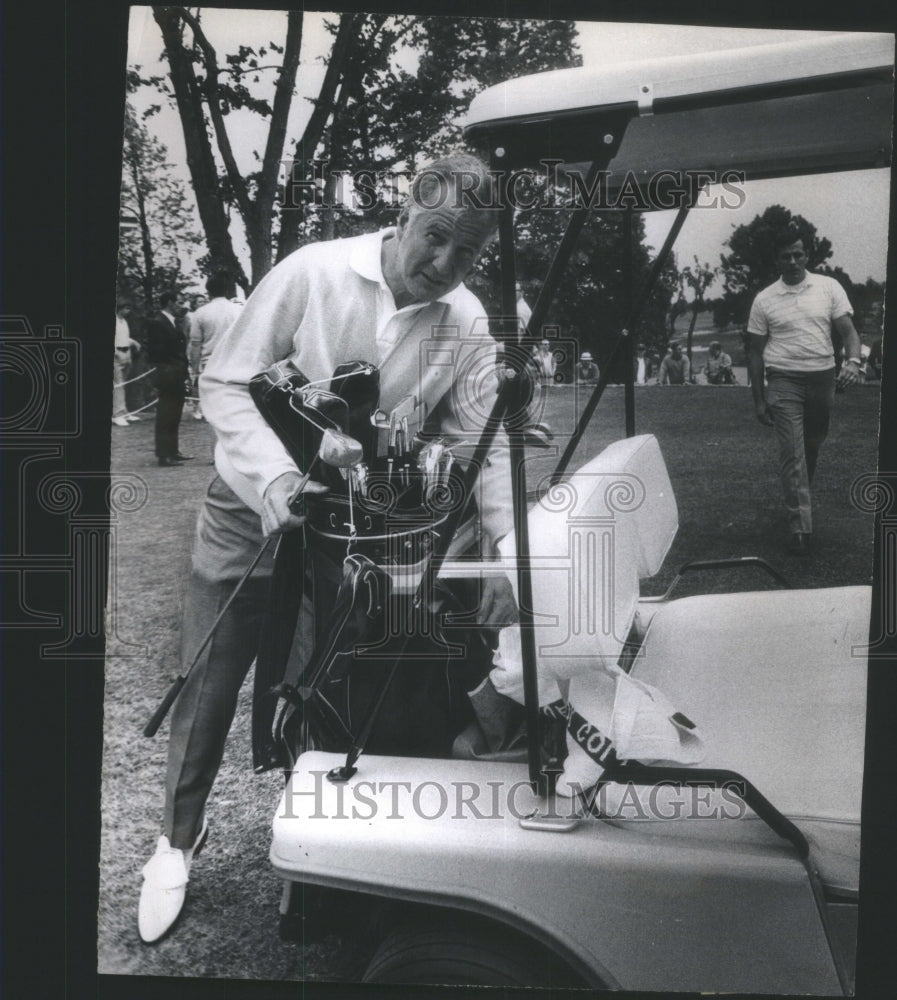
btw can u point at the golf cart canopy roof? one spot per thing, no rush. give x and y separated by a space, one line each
767 110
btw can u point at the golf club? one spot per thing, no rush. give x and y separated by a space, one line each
337 450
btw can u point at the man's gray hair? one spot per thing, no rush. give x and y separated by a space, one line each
459 180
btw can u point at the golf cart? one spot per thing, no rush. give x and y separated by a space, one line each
741 874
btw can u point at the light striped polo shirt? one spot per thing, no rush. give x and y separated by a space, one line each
798 320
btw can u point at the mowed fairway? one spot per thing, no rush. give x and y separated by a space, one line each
722 464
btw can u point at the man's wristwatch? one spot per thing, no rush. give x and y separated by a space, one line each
855 361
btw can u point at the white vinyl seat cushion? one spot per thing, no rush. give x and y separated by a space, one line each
777 682
591 538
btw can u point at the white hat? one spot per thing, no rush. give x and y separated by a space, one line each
585 356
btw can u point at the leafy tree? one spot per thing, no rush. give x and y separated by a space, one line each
697 277
370 115
158 220
388 120
592 303
203 94
750 264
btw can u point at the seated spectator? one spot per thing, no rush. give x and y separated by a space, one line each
718 369
675 369
586 371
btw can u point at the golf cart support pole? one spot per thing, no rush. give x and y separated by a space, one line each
634 317
629 299
561 258
518 496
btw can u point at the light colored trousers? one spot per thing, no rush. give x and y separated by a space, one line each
800 404
119 375
228 536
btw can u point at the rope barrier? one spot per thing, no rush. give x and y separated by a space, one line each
137 378
152 402
146 406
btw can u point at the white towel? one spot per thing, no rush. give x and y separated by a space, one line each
635 719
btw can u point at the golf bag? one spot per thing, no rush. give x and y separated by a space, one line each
362 563
368 625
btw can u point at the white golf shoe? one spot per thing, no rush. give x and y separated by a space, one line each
164 888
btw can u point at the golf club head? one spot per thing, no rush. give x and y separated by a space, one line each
340 451
320 408
358 383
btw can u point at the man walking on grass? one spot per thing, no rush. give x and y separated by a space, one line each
790 328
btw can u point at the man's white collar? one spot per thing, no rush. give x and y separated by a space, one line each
365 259
786 289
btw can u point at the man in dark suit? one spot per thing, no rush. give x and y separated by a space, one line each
166 349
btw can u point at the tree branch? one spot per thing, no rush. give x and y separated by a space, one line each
240 190
283 96
346 40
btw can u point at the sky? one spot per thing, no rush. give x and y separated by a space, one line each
851 209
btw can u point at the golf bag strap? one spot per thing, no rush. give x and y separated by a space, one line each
275 644
360 601
353 613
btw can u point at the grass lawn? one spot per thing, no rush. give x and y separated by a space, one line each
723 469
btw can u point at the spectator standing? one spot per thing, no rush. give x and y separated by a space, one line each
186 325
643 365
524 313
208 323
124 345
166 349
546 363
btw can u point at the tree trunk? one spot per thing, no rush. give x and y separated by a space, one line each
298 169
203 172
695 309
258 236
146 245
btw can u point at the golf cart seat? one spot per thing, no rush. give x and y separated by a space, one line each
592 538
731 674
797 735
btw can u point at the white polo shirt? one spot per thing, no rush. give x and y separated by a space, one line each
206 326
798 321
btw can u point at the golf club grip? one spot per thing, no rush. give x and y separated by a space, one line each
152 727
296 501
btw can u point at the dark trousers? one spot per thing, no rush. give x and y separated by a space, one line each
800 404
169 382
